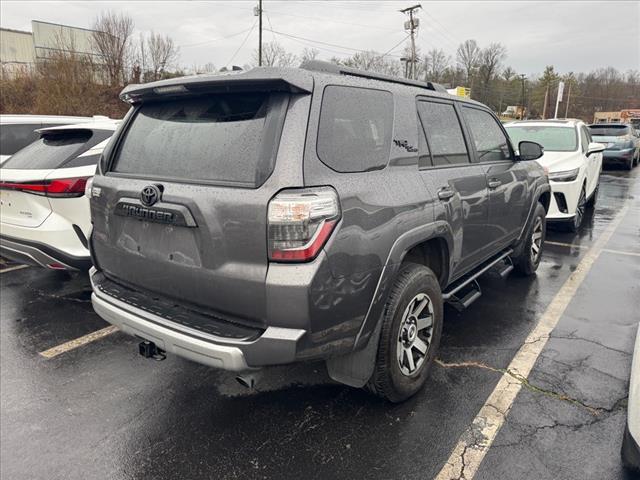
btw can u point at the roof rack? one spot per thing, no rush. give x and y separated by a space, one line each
328 67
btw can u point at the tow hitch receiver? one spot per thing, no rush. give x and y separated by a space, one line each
150 350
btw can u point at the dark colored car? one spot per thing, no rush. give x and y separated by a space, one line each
621 141
281 215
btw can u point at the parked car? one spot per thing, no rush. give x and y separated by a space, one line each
574 163
280 215
631 438
621 141
18 131
44 219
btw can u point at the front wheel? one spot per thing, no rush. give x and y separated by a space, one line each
594 197
576 222
526 263
410 334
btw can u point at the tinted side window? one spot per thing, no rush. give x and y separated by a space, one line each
491 143
16 137
355 128
443 130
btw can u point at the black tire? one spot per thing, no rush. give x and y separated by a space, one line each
575 223
629 165
526 263
591 203
388 380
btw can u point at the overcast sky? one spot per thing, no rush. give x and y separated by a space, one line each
574 35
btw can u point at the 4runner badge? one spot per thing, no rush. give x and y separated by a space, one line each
150 195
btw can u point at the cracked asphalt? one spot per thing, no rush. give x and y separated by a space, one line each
102 411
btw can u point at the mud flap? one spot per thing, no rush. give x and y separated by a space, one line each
355 369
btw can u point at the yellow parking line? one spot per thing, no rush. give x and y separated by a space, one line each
78 342
476 440
11 269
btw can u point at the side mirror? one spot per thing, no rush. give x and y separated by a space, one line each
530 150
595 148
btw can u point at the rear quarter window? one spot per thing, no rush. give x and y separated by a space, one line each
355 128
50 151
16 137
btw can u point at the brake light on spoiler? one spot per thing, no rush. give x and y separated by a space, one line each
59 187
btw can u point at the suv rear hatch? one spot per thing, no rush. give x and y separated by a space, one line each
25 179
200 238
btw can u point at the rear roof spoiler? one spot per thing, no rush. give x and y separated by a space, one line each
256 79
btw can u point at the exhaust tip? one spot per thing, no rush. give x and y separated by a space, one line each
248 381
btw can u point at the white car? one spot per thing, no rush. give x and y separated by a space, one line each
573 161
631 439
18 131
44 214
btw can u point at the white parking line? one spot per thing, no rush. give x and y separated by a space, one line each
78 342
11 269
474 443
608 250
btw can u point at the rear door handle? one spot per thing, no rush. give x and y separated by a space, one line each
494 183
445 193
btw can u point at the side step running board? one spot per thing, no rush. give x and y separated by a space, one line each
466 290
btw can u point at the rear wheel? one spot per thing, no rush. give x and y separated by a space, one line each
629 165
410 335
526 263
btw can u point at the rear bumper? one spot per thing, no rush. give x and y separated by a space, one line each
618 155
275 346
40 254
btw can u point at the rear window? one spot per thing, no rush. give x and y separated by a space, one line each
553 139
609 130
222 138
16 137
355 128
50 151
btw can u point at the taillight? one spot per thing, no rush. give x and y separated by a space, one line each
59 187
301 222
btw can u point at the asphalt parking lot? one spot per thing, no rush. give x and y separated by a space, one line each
94 408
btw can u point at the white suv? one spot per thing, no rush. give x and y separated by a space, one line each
44 215
573 161
18 131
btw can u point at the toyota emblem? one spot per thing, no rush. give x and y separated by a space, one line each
150 195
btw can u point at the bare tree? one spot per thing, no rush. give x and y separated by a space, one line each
275 55
436 64
491 59
161 53
371 61
468 56
112 41
309 54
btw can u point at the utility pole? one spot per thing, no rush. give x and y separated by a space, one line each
566 111
412 26
257 12
523 78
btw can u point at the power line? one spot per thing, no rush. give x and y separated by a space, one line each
333 21
395 46
325 43
214 39
243 42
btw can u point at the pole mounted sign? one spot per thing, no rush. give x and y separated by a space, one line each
559 99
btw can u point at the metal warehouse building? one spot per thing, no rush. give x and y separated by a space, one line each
20 51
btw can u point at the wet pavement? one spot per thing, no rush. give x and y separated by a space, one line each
102 411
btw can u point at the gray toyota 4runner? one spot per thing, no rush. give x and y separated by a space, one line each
280 215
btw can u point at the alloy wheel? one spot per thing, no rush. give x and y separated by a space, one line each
415 334
577 220
536 240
